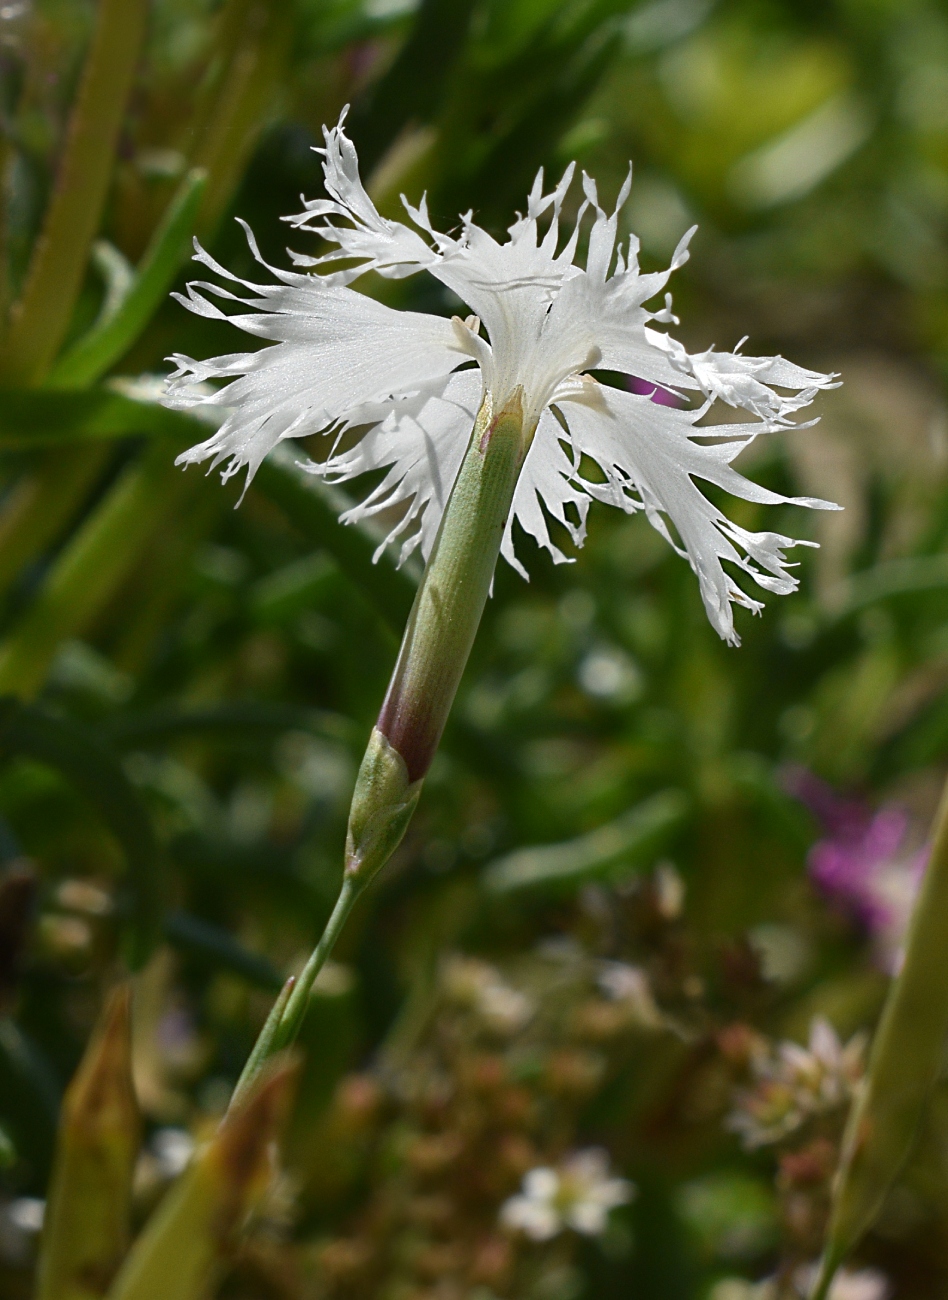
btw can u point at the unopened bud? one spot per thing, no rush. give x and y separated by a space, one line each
382 807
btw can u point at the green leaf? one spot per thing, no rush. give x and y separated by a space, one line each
96 773
87 1227
628 842
37 418
109 340
249 717
313 508
894 578
91 567
182 1249
192 934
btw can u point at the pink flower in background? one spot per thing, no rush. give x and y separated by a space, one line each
661 396
862 862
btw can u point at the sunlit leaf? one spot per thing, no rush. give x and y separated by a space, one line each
615 849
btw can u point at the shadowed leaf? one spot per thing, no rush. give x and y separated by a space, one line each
88 1217
94 770
182 1248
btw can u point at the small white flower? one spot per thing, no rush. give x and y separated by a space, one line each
478 985
795 1083
866 1284
412 383
862 1284
630 985
172 1149
578 1194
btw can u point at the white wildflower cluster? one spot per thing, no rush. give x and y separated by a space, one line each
398 391
860 1284
481 988
579 1194
793 1083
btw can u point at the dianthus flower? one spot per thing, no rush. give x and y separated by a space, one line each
469 435
413 383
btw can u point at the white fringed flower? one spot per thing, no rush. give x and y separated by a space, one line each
578 1194
408 381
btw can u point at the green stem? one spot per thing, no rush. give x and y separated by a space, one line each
829 1266
39 321
286 1017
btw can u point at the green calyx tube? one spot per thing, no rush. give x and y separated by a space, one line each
437 640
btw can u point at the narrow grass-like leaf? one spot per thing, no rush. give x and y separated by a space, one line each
237 99
629 841
894 578
232 720
193 935
88 1216
40 418
313 508
105 344
91 567
40 505
39 321
903 1065
94 770
182 1248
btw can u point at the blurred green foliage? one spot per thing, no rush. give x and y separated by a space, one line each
196 683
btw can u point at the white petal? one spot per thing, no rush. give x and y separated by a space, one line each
389 247
541 1184
545 480
745 382
538 1220
337 350
650 457
422 442
511 287
588 1217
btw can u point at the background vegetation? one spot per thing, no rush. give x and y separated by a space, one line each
189 687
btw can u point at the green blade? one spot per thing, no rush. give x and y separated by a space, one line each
88 1220
907 1054
36 418
105 344
181 1252
609 850
314 508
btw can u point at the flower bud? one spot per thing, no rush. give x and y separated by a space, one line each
382 806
